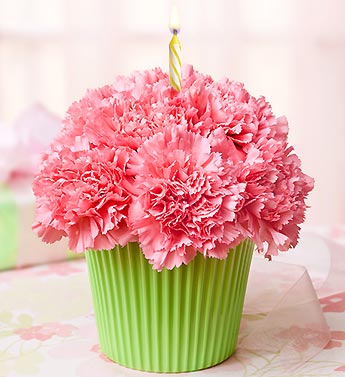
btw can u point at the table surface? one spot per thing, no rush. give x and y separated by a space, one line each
47 329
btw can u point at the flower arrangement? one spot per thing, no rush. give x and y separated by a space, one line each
181 173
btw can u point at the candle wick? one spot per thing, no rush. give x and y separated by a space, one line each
174 31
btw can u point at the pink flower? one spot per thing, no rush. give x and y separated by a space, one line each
182 172
224 104
116 115
81 195
187 198
227 104
275 196
46 331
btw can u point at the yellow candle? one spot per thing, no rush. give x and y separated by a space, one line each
175 52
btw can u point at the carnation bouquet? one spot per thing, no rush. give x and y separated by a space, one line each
182 181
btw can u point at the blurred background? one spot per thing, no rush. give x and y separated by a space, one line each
292 51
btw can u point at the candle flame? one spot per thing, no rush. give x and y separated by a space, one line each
174 23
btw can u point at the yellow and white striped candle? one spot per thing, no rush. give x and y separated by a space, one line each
175 52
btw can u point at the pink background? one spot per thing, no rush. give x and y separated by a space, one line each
292 51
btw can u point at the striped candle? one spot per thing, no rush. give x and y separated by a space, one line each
175 52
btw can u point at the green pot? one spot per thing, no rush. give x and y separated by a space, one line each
177 320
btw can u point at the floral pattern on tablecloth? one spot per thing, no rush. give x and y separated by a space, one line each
47 329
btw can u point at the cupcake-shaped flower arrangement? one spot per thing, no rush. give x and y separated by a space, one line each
168 192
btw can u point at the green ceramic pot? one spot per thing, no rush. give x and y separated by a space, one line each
178 320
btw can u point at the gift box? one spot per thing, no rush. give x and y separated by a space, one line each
20 246
20 149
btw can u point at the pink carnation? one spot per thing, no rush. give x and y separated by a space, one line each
181 172
81 195
116 115
186 198
275 196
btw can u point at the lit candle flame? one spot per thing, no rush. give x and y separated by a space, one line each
174 23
